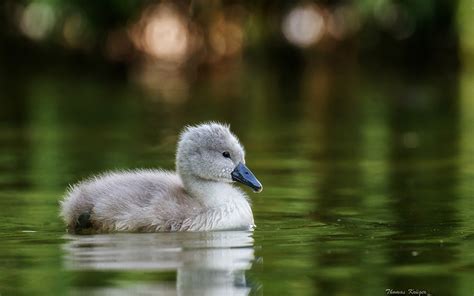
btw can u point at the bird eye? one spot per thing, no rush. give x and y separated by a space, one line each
226 154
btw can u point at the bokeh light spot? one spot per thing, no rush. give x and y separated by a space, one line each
225 37
37 20
162 33
343 22
74 31
304 25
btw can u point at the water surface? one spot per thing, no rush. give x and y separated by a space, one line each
368 185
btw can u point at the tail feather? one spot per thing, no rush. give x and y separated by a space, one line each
76 210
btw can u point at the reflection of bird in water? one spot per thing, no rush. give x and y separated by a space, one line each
198 197
207 263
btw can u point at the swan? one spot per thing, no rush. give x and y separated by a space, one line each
199 196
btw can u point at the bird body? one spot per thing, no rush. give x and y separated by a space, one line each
200 196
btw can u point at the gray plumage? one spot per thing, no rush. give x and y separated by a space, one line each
198 197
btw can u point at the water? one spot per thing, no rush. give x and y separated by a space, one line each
368 185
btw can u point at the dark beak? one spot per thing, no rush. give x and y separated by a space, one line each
243 175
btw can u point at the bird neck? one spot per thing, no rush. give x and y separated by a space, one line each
209 192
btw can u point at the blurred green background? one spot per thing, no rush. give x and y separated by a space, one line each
357 116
